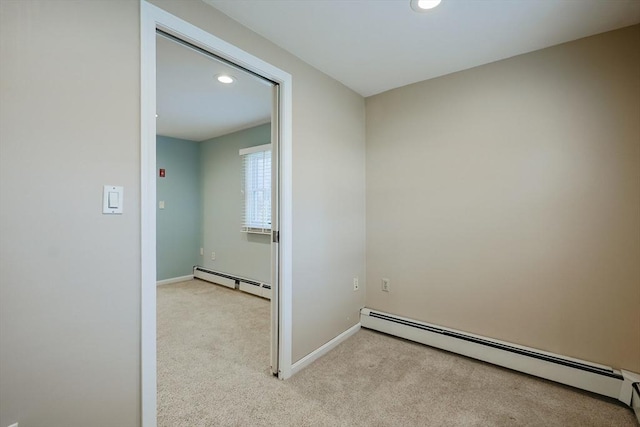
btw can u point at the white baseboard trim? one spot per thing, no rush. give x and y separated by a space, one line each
589 376
174 280
315 355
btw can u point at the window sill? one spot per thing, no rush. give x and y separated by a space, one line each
256 230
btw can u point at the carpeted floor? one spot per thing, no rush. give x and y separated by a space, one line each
213 370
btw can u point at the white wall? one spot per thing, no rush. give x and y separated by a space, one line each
69 123
504 200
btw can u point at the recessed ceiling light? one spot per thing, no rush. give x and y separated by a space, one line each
225 78
424 5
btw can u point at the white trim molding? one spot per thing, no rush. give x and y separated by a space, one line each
254 149
174 280
148 362
153 18
315 355
588 376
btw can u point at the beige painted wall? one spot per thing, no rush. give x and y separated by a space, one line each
70 276
505 200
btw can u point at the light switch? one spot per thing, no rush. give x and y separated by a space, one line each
112 199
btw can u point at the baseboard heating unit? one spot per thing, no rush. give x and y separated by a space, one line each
589 376
635 399
234 282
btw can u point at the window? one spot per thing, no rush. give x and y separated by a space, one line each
256 189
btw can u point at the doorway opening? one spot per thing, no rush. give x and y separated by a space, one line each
214 219
155 19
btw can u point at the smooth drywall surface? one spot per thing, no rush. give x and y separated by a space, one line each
236 253
505 200
69 275
179 222
328 184
329 211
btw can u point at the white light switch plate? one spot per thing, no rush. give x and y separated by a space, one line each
112 199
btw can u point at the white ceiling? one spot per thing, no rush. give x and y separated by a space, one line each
375 45
191 104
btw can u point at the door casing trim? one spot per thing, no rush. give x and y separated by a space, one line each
152 18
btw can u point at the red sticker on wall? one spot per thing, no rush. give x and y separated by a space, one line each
161 173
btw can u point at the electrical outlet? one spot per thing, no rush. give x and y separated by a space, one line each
213 256
356 285
201 251
386 285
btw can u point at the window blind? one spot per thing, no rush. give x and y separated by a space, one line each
256 189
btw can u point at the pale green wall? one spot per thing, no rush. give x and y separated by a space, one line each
203 205
237 253
179 231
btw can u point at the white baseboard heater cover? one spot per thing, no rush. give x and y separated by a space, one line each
234 282
215 277
589 376
635 400
256 288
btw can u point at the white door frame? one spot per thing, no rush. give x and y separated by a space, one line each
153 18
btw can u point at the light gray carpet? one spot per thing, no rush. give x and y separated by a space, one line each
213 370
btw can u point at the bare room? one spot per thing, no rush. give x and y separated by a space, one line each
452 235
